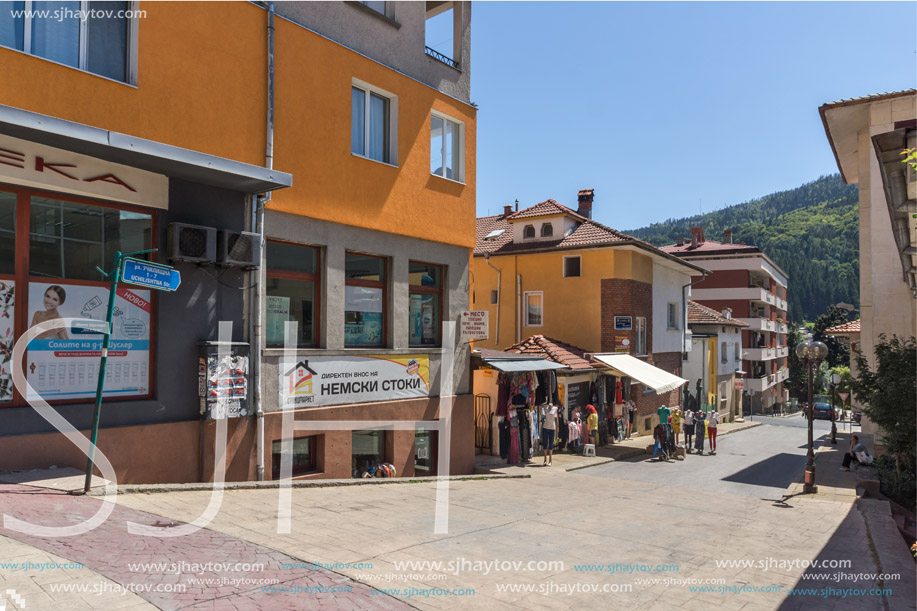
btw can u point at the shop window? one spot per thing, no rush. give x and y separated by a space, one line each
7 233
547 230
534 309
367 452
93 36
447 147
640 334
373 124
292 292
672 316
69 240
424 452
303 451
365 297
572 267
426 305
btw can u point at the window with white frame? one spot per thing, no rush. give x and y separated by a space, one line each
640 334
672 316
97 37
447 147
373 124
572 267
534 308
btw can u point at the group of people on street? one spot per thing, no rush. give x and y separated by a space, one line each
699 426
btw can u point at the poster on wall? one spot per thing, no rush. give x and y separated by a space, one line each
336 380
622 343
362 315
64 363
278 312
7 304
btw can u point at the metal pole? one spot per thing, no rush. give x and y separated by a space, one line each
810 486
115 276
833 419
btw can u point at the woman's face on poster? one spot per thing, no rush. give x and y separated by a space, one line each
52 299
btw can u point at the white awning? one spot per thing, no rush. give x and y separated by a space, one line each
523 364
625 365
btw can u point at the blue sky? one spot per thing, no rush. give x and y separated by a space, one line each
663 106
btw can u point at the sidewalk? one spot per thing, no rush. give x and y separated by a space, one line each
622 450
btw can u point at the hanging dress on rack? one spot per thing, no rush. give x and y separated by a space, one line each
513 456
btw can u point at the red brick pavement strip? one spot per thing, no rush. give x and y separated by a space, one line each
109 548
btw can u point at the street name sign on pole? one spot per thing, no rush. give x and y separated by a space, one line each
150 275
133 271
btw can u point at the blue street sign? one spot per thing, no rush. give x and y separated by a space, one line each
150 275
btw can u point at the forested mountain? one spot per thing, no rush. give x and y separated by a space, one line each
811 232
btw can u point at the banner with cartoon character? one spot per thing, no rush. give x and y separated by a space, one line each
337 380
64 363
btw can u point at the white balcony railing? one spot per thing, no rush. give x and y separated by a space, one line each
760 354
760 384
759 324
781 327
782 375
781 304
783 352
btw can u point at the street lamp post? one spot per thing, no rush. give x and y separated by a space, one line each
811 354
835 380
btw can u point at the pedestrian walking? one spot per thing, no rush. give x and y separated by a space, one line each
548 428
689 428
631 408
699 431
712 420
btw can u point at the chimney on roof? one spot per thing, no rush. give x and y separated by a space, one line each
507 210
697 236
679 241
727 237
517 205
727 313
584 198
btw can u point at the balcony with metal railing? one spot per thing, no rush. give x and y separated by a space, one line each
440 57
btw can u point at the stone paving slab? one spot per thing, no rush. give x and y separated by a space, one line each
67 479
203 570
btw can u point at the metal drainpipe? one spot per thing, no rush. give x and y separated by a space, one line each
499 273
259 229
518 308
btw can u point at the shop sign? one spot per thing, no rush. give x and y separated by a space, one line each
622 343
338 380
45 167
63 363
623 323
740 384
474 325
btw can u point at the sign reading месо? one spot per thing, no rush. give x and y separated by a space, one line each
474 325
336 380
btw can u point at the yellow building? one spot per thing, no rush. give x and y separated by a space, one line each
552 271
288 162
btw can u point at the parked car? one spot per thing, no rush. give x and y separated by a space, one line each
857 415
824 411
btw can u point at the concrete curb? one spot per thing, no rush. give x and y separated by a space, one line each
316 483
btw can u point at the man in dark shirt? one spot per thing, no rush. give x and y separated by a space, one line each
851 455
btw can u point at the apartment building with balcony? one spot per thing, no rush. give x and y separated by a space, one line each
746 281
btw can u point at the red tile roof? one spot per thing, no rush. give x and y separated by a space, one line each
546 208
700 314
559 352
707 247
847 328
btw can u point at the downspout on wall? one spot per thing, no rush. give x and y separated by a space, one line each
684 309
258 326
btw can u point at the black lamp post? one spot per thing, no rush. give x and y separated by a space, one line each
811 354
835 380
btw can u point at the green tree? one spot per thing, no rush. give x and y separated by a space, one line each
838 353
889 396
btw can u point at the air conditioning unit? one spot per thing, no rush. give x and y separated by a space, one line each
192 243
238 249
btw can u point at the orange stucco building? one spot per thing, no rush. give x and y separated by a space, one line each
327 127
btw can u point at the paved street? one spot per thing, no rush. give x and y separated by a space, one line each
657 521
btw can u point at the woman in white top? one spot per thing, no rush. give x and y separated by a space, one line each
548 427
689 427
712 419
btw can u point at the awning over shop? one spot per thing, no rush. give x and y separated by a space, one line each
625 365
523 364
